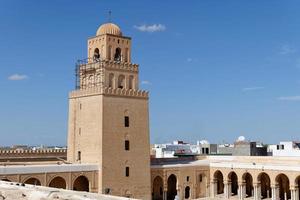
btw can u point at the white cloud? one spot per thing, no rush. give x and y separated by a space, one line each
287 49
189 60
146 83
289 98
17 77
151 28
252 88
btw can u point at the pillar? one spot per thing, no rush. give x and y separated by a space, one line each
227 190
294 193
213 188
257 192
165 193
275 192
241 191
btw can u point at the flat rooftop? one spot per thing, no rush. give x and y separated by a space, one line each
13 191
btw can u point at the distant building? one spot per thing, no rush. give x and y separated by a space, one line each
241 147
172 150
288 148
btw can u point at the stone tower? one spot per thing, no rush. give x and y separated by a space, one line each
109 117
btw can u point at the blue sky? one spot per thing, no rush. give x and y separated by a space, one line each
215 69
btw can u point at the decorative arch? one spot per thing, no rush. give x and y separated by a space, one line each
265 185
172 187
58 182
111 80
32 181
284 186
157 188
131 82
233 179
121 81
248 180
218 177
81 183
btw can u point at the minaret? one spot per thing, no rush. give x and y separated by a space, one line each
109 117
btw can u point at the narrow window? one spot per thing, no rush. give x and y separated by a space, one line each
80 106
187 192
126 121
200 177
79 155
187 178
79 131
96 55
127 145
127 172
117 56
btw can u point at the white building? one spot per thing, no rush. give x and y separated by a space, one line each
169 150
288 148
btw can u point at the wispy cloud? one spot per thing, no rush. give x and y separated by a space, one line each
151 28
189 59
289 98
252 88
287 49
17 77
146 83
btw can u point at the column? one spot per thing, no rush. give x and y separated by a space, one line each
257 191
213 188
275 192
297 193
242 191
227 190
165 193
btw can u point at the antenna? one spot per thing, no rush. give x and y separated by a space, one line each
109 16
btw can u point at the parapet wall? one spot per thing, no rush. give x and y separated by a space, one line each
28 155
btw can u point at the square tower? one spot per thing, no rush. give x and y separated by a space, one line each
109 117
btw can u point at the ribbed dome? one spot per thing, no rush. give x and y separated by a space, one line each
109 28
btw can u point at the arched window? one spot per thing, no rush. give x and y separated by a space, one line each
187 192
96 55
91 81
117 55
121 82
131 78
126 55
111 79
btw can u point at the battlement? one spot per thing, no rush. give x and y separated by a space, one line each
109 91
29 155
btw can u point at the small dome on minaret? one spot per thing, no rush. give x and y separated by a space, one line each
109 28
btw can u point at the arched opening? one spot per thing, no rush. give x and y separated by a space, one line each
131 82
58 182
91 81
218 177
121 82
117 54
96 56
297 184
111 79
187 192
172 190
284 186
33 181
157 193
248 180
81 184
232 177
109 53
265 185
5 179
